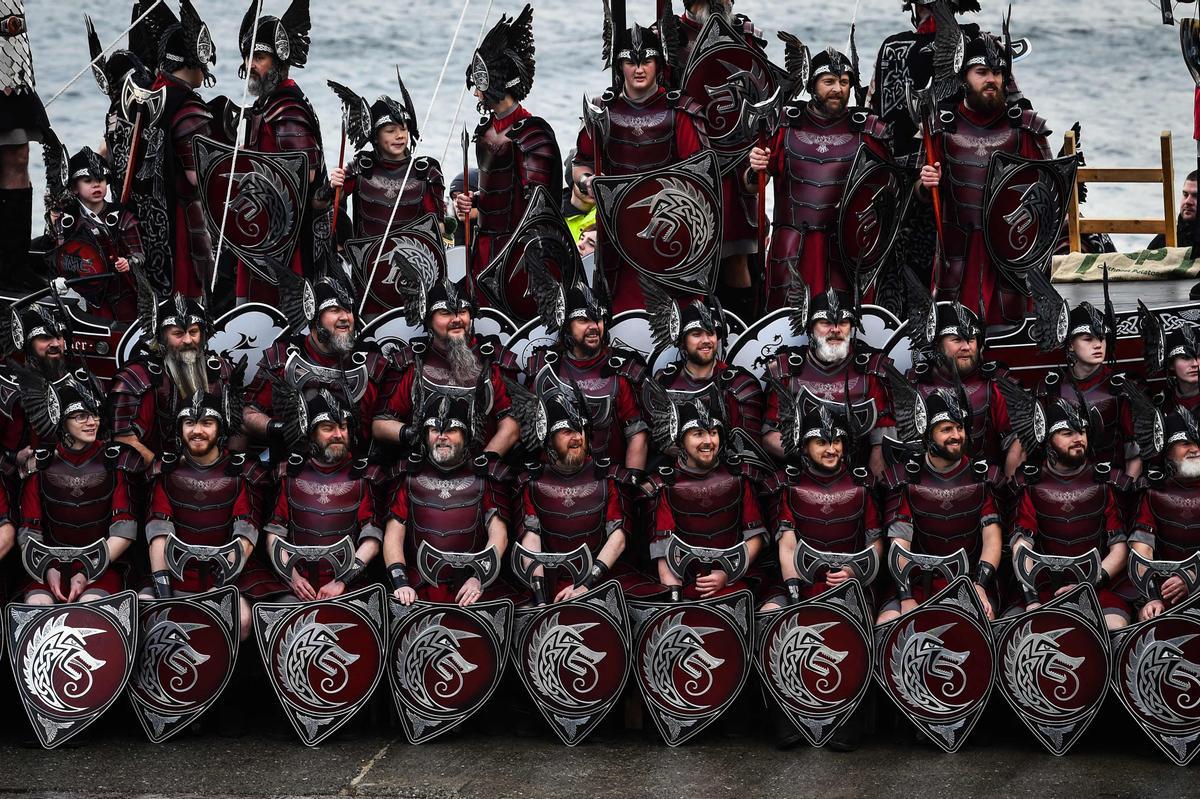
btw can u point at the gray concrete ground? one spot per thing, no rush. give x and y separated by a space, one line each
1113 760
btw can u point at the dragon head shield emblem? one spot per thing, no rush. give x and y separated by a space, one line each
57 668
311 659
431 666
561 664
927 673
676 647
169 662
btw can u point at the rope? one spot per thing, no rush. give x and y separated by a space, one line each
103 53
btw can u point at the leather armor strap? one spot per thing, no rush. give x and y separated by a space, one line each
162 584
985 574
597 575
1103 578
538 584
354 572
398 576
793 590
675 593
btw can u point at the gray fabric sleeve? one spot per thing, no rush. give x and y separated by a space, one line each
156 528
124 529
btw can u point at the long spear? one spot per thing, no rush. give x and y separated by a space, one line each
466 175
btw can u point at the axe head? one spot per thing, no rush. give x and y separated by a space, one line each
339 556
759 118
902 563
1142 572
808 561
135 101
431 562
577 563
734 561
1189 42
37 558
227 560
1029 564
595 119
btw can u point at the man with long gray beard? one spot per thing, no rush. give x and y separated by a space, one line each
809 158
447 499
1068 507
832 365
451 359
328 357
1166 525
283 120
964 138
173 364
325 495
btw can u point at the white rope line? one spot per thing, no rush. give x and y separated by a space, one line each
463 93
428 112
102 54
237 139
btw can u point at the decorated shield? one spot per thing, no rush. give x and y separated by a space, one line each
323 658
666 222
505 280
723 72
1156 675
573 658
815 658
391 330
70 662
1024 207
937 663
375 275
255 203
691 659
445 661
80 256
1053 666
870 213
187 648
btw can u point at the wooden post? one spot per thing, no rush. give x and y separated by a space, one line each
1073 204
1168 187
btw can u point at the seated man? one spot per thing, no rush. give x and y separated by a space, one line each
447 499
1070 507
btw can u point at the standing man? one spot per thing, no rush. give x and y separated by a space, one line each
514 149
965 137
648 127
22 120
700 331
179 249
283 120
809 159
1186 218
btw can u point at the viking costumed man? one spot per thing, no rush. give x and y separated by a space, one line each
78 494
283 120
514 149
1175 354
809 158
324 495
1086 374
328 357
111 72
825 503
179 248
173 364
447 499
904 65
22 120
739 229
1069 506
101 237
835 367
698 330
648 128
377 176
985 121
1166 526
952 342
940 501
583 355
708 499
569 498
205 495
35 331
451 359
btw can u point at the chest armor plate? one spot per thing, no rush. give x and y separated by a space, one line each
829 515
639 138
324 506
446 510
201 501
968 151
817 161
1070 513
77 500
947 513
708 509
375 195
572 509
1176 511
498 181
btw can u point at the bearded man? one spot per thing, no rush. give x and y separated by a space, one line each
173 364
37 333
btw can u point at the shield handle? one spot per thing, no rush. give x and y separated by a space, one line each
1142 572
808 560
734 561
228 559
577 563
339 556
431 562
37 558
